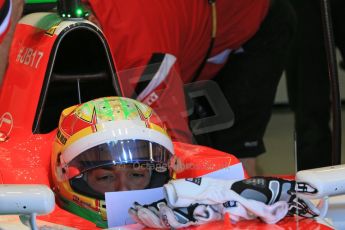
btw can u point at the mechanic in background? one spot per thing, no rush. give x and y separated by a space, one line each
167 44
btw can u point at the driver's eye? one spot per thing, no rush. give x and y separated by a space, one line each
108 177
138 175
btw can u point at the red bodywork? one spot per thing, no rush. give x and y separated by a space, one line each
25 153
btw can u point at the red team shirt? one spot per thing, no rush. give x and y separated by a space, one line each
5 15
176 34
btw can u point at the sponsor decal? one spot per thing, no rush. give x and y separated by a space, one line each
29 56
303 187
6 125
230 204
152 98
251 144
52 29
195 180
84 204
61 137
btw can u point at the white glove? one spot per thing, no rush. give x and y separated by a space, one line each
270 214
159 215
184 192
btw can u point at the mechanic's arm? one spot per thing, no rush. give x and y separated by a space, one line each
10 13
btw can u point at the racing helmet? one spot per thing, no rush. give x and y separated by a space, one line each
101 134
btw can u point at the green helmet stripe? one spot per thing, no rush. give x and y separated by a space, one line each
86 213
108 112
127 111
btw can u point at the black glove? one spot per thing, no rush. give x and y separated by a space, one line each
271 189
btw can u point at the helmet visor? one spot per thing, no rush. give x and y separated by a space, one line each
119 153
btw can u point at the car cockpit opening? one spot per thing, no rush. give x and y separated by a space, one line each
80 69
